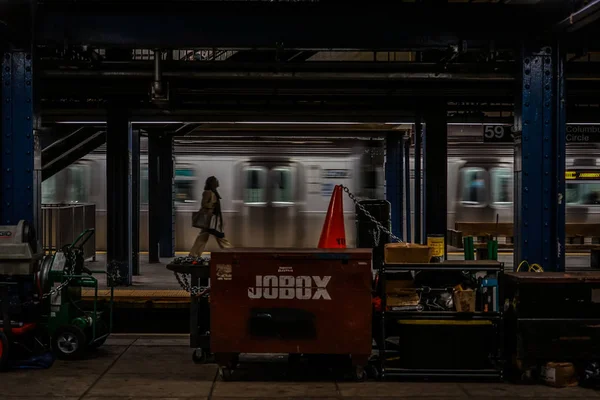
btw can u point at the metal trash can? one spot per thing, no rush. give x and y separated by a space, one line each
366 230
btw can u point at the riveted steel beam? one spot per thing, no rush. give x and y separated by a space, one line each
20 184
540 160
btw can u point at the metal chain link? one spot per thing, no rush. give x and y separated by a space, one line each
379 225
183 280
193 290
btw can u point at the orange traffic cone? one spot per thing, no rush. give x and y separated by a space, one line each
333 235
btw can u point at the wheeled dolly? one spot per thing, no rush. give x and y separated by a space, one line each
73 328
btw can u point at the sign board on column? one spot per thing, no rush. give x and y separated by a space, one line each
497 134
576 133
583 133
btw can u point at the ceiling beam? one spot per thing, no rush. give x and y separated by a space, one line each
580 18
298 26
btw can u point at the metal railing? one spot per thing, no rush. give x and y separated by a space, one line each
61 223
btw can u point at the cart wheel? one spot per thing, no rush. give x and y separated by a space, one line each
360 375
3 351
372 372
69 342
199 356
226 374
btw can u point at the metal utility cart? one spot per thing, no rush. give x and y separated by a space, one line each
19 307
421 334
72 326
199 272
551 316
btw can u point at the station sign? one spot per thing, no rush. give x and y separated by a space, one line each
575 133
498 134
583 175
583 133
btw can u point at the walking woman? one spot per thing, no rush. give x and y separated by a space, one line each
209 219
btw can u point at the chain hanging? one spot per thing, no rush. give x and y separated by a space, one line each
197 291
379 225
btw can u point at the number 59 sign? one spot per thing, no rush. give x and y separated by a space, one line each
498 133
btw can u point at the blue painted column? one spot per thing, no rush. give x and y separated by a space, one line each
20 189
540 159
394 179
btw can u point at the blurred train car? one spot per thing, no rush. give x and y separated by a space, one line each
276 191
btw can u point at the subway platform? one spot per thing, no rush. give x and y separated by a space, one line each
159 286
152 366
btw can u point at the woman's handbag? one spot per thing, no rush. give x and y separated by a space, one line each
201 220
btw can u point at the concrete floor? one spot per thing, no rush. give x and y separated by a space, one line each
145 367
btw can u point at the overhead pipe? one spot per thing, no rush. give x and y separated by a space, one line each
294 76
298 76
580 18
157 87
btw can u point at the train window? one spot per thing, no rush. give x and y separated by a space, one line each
185 180
583 193
49 193
473 186
282 185
501 185
79 177
254 190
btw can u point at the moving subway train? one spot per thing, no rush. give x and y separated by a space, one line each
276 191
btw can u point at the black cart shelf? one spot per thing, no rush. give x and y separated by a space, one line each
456 326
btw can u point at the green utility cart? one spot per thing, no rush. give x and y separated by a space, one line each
73 327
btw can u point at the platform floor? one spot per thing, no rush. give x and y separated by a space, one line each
157 283
147 367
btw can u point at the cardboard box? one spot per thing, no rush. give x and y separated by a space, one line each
406 253
464 300
559 374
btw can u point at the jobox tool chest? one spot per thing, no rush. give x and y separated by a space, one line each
299 301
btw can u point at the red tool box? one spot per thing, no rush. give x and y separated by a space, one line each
298 301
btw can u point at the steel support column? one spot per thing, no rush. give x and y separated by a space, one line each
418 216
154 212
407 189
20 176
435 158
167 210
394 179
135 202
119 195
540 160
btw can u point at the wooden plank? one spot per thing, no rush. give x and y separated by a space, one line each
484 228
585 230
582 246
505 229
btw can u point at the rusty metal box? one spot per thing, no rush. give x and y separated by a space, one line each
309 301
